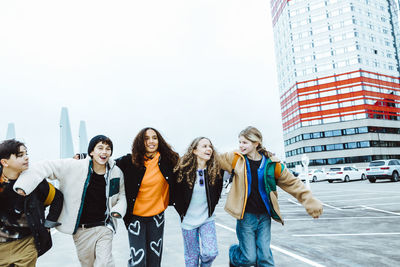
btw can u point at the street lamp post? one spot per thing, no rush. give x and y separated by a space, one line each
305 161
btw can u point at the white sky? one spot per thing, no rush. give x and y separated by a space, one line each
186 67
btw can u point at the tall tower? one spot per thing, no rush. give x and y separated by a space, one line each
66 145
338 70
83 140
10 131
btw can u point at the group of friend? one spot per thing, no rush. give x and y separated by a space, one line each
95 191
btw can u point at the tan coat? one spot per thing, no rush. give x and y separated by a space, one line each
237 197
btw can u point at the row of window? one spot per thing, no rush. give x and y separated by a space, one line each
340 132
317 93
343 77
350 145
343 160
321 148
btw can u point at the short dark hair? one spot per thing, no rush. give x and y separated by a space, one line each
99 139
10 147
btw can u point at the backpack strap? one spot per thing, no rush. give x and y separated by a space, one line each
278 170
235 159
50 195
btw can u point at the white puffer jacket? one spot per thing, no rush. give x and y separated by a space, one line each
73 176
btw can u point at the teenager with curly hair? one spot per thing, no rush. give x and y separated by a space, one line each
149 179
253 199
197 191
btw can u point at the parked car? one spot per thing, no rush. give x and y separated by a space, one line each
296 174
345 174
313 175
383 169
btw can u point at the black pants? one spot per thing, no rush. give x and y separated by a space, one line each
146 240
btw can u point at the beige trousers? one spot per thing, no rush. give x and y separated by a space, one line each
94 246
21 253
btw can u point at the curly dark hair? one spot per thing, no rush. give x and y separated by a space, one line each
139 149
187 165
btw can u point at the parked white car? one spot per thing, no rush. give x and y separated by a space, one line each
313 175
345 174
383 169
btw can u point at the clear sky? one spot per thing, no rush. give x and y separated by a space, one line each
186 67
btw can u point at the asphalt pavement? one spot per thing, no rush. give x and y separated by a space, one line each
360 227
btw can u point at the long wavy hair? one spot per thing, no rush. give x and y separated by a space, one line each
139 149
254 135
187 165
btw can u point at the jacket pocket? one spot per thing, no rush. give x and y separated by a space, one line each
114 186
275 212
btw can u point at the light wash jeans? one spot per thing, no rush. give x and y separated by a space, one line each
254 235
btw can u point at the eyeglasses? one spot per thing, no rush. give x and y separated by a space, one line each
201 179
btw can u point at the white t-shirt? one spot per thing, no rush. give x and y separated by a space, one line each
197 213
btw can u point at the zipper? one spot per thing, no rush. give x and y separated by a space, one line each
246 188
83 195
108 191
207 193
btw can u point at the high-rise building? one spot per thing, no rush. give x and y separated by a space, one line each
339 79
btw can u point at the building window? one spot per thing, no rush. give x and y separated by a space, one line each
318 148
334 147
362 130
333 133
335 161
364 144
349 131
350 145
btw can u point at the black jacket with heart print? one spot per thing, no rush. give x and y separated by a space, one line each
133 179
183 195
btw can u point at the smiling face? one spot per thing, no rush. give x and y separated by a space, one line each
101 153
204 150
17 162
246 146
150 142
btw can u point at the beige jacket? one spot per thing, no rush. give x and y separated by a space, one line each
237 197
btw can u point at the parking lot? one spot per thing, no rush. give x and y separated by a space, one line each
360 227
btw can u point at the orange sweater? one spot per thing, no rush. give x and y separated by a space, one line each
153 195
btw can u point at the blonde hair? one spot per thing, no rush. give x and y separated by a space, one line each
187 166
254 135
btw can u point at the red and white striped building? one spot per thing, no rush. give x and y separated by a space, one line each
339 79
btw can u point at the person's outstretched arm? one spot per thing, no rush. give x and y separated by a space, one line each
298 190
32 177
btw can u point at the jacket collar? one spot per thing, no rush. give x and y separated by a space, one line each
110 163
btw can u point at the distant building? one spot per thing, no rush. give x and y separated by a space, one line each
338 69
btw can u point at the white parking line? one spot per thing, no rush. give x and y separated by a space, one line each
298 204
344 218
300 258
294 202
371 204
330 206
372 198
345 195
383 204
53 231
360 234
384 211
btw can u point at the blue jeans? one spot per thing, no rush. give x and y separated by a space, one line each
254 235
